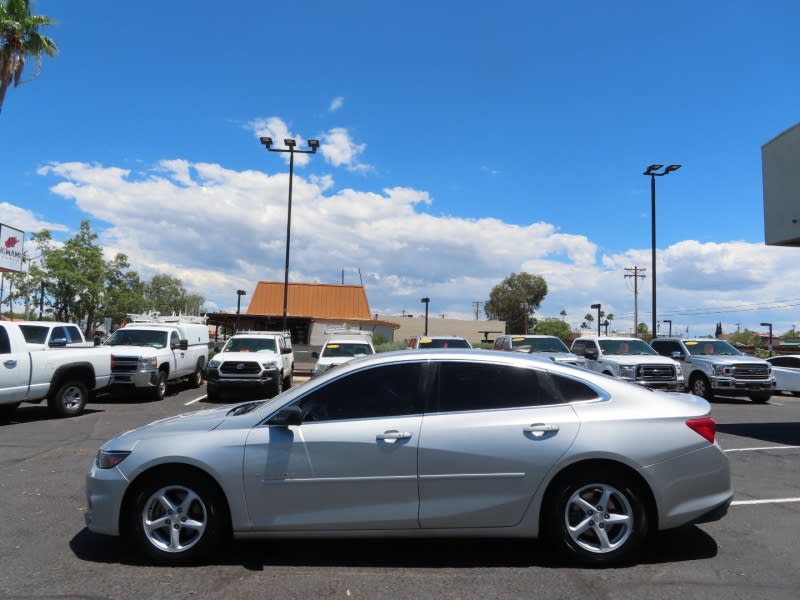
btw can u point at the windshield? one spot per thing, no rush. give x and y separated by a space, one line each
251 345
710 347
625 347
138 337
345 350
539 344
443 343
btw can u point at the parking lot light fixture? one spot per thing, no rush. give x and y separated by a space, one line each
292 150
239 294
653 171
769 346
597 306
426 301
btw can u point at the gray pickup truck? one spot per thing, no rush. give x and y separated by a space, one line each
714 367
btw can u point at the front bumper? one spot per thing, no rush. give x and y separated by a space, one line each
266 382
140 379
105 489
728 386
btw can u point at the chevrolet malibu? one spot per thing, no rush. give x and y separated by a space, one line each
430 443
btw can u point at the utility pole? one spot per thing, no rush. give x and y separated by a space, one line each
477 305
636 272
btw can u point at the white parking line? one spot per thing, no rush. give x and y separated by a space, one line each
770 501
762 448
193 401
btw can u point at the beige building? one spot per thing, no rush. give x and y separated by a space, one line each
473 330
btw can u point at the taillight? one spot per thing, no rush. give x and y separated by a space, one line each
705 427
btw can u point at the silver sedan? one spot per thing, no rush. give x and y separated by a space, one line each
430 443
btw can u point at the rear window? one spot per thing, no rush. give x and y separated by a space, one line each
346 349
443 343
34 334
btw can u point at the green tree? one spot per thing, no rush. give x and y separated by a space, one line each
166 295
643 330
552 326
745 337
515 299
124 292
19 39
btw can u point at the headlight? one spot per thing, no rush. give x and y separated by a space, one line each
148 362
721 370
269 364
214 363
628 372
107 459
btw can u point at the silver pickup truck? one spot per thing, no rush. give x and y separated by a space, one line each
713 366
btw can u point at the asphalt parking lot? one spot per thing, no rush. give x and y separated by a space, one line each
754 552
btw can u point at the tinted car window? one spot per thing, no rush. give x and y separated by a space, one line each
579 346
34 334
465 386
5 343
572 390
785 361
383 391
666 347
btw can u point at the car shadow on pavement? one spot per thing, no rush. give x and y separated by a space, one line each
779 433
31 413
683 544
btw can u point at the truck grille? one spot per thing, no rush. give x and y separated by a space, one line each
124 364
240 367
656 373
750 372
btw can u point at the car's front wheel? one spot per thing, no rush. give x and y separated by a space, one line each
597 517
700 386
761 397
178 518
159 392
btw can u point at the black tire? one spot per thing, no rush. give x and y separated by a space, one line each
212 395
287 383
700 386
186 515
69 400
160 391
278 385
196 378
761 398
612 533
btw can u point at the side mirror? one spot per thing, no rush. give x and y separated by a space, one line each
286 350
291 415
678 355
315 354
590 354
58 343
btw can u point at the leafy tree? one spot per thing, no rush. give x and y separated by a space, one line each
166 295
563 314
791 334
643 330
19 39
515 299
552 326
745 337
124 290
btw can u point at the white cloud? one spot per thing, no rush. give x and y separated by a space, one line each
336 104
339 149
25 220
220 230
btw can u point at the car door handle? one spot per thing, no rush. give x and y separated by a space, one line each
392 435
10 363
539 429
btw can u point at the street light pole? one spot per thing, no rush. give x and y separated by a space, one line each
291 149
426 301
655 171
239 294
769 347
597 306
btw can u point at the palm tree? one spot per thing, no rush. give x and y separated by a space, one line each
20 38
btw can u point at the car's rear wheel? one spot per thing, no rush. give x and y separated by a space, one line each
196 378
700 386
178 518
69 399
597 517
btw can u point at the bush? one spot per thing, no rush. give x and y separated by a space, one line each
389 346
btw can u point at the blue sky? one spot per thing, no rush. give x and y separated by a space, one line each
461 142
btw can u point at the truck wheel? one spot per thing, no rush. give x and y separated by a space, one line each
160 391
69 400
212 395
278 385
178 518
761 398
287 383
196 378
699 386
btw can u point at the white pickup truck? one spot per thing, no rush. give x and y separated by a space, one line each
151 351
65 378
